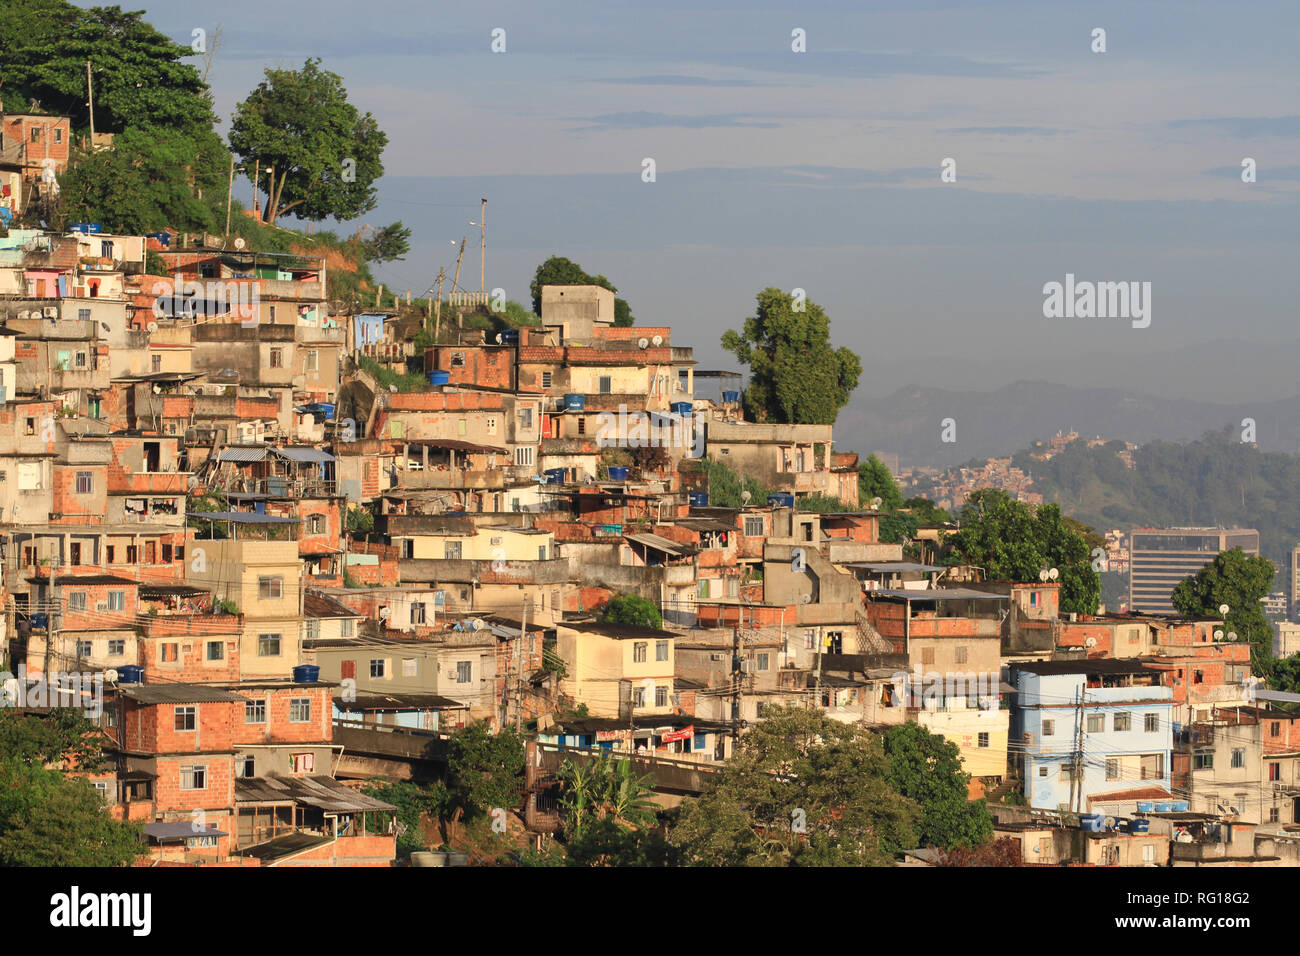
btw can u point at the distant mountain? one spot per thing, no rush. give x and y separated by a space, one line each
910 422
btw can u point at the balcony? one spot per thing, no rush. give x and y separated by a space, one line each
417 479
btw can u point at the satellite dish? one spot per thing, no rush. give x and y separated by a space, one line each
239 242
499 338
105 326
1090 642
1053 574
1232 635
643 343
657 340
876 502
384 613
110 675
807 599
745 496
476 624
1218 634
152 326
393 389
1223 609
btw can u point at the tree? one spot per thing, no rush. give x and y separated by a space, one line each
558 270
139 78
47 819
412 802
605 843
604 789
389 244
1240 581
1011 541
927 768
485 769
64 736
324 153
803 790
876 481
796 378
631 609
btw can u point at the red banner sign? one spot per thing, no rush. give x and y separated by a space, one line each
602 735
686 733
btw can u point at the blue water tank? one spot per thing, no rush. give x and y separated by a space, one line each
680 408
41 621
90 228
730 398
1181 806
1145 806
555 476
439 376
509 336
574 402
306 674
1164 808
130 674
782 499
1139 825
698 499
1091 821
617 473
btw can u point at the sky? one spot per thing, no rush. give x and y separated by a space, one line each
821 169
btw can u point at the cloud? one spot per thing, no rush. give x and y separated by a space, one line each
1263 173
1007 130
644 120
1247 126
672 79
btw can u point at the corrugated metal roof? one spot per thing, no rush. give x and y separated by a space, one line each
243 517
304 455
241 454
658 543
324 793
183 830
178 694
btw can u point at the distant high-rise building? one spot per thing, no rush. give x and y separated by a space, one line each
1293 582
1161 557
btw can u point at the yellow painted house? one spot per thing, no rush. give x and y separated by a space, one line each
609 663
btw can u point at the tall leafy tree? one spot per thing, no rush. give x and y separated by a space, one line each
1011 541
1240 581
631 609
486 769
796 377
803 790
927 768
324 153
876 481
557 270
47 819
139 77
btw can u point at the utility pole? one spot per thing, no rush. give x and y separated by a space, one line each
735 686
456 282
482 254
1076 780
519 680
437 305
90 101
230 192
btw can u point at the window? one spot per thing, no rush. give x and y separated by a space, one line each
85 482
268 645
194 777
457 359
546 380
1276 729
463 671
313 360
1121 720
302 763
216 651
58 135
255 711
492 425
927 655
526 417
1203 760
300 710
316 524
1274 771
155 364
1272 815
1152 723
983 739
753 526
703 589
277 357
110 554
606 385
1067 772
417 613
166 553
1238 757
116 647
347 627
77 601
1148 853
378 667
524 455
84 648
408 666
1112 769
270 589
959 655
1096 723
1049 728
36 134
451 550
764 661
639 652
541 552
246 767
313 629
1042 771
661 696
185 717
638 696
169 653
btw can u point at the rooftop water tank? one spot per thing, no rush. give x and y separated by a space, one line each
782 499
130 674
698 499
617 473
439 376
306 674
575 402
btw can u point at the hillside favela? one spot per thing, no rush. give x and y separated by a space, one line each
309 564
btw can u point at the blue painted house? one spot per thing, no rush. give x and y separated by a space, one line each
1095 736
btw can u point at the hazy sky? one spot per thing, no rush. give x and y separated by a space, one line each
821 169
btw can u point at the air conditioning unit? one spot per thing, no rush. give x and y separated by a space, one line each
715 657
747 667
102 607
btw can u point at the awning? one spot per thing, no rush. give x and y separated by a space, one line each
242 517
243 455
313 456
658 543
178 832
